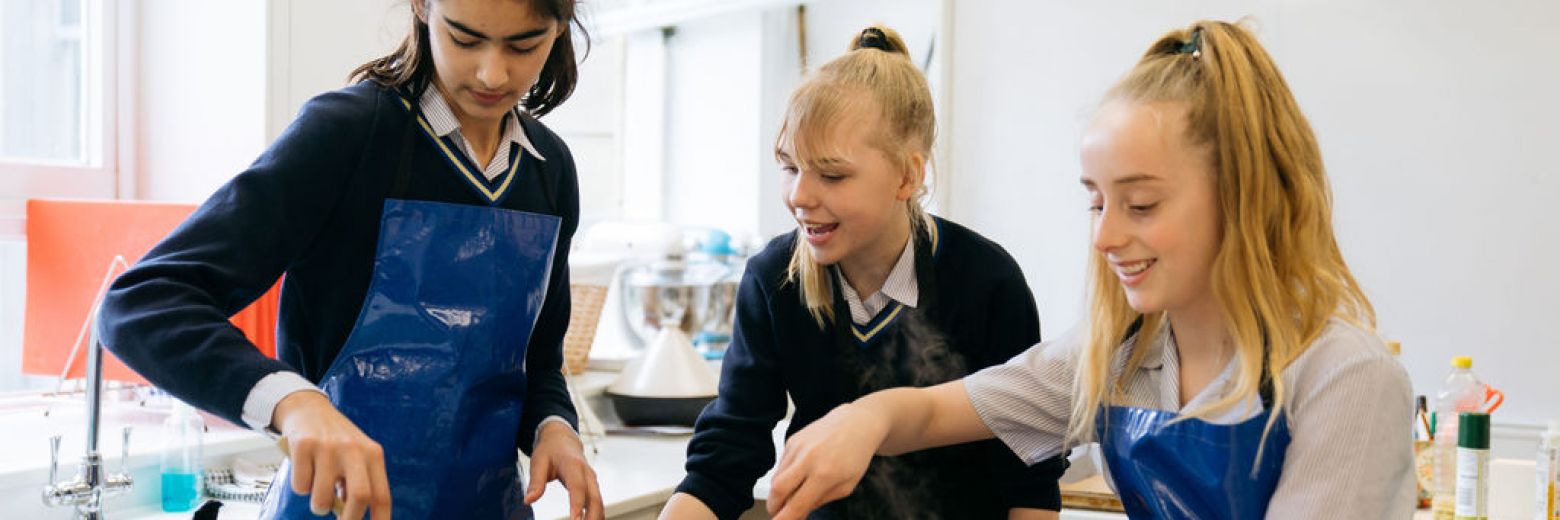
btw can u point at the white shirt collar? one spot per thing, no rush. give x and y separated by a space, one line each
444 123
1168 360
900 285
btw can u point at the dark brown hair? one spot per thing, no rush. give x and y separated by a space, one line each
410 65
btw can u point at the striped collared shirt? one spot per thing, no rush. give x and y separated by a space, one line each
900 286
1347 404
443 121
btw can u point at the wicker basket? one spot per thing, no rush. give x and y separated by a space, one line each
584 313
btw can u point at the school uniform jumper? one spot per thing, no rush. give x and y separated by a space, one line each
352 194
975 310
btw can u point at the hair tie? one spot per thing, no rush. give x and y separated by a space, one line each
873 38
1193 46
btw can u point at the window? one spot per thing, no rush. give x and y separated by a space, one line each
42 118
57 117
58 134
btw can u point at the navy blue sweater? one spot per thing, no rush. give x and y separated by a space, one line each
972 293
309 208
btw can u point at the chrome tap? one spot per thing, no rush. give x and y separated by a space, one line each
87 490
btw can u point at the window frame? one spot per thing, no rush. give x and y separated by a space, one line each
107 44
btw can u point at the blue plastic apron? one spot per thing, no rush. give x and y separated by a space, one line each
434 369
1191 469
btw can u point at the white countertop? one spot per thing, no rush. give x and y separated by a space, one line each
636 472
642 471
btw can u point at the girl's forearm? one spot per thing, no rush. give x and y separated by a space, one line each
919 418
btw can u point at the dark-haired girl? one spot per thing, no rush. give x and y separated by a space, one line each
421 218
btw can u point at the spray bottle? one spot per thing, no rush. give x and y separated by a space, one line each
1473 466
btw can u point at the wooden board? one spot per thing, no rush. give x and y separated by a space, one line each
1090 493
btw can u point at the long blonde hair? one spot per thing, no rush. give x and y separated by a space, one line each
877 65
1278 275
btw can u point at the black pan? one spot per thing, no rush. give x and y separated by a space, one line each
658 411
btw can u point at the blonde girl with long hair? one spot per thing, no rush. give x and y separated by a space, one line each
869 292
1229 367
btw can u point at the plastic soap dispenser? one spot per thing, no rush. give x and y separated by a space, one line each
182 477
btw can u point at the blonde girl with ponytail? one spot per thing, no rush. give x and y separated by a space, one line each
1229 366
868 293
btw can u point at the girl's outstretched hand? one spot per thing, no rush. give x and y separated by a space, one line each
824 461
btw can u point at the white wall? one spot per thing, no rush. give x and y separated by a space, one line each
312 45
643 109
1435 119
729 78
830 27
218 81
200 111
589 123
712 115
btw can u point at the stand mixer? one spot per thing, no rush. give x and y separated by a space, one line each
623 255
670 383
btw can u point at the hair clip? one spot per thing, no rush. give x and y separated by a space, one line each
872 37
1193 46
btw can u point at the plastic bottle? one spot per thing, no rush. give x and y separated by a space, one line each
1461 392
1547 506
181 458
719 298
1473 466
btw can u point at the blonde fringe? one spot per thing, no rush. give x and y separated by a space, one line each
900 92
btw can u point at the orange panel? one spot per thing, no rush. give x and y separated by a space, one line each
70 247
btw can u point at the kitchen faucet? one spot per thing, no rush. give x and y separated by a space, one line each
87 490
90 486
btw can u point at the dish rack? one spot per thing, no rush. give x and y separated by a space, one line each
221 486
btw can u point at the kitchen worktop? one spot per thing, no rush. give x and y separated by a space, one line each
637 472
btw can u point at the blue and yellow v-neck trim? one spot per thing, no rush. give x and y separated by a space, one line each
492 191
864 334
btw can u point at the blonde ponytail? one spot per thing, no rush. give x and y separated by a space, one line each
878 65
1278 275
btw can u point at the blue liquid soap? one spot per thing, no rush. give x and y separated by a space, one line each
180 491
181 459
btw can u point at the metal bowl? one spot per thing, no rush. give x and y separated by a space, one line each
715 307
695 296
